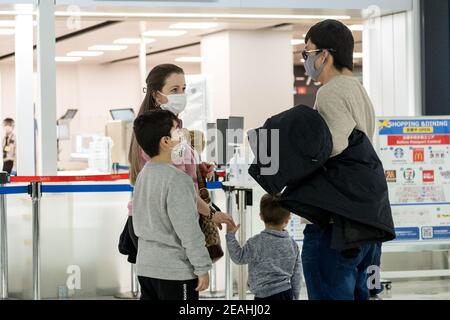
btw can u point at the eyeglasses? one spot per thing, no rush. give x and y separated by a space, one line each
307 53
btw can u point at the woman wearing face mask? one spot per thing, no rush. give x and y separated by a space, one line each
166 87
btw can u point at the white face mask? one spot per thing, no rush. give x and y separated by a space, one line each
179 150
182 152
176 104
179 153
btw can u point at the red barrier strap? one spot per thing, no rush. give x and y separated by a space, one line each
110 177
221 173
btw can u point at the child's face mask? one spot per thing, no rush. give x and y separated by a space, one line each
180 146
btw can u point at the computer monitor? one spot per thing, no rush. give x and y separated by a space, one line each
224 153
69 115
126 114
236 130
211 142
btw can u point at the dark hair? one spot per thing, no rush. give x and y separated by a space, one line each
333 34
8 121
156 80
150 127
271 210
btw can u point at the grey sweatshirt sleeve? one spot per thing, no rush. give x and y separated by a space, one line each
296 278
239 255
182 211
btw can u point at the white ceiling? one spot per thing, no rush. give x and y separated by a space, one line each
131 28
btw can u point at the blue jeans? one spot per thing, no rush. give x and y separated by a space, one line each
328 274
377 262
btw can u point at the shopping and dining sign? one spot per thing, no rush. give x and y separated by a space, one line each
416 157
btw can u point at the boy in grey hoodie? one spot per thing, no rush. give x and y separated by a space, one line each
172 260
273 258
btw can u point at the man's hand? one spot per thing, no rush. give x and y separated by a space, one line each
203 282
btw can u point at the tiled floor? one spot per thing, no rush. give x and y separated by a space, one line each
433 289
438 289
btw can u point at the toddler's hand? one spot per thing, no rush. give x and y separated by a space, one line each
232 228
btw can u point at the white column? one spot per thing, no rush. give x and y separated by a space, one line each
250 74
391 66
46 104
215 52
2 115
24 94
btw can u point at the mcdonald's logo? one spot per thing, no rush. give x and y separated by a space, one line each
419 155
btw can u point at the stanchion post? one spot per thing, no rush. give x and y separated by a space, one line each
242 269
213 273
228 272
135 288
213 280
4 179
213 293
36 195
134 281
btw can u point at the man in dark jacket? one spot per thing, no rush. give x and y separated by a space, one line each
347 200
344 197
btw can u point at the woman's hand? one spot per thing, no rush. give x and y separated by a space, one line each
207 170
210 176
220 217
